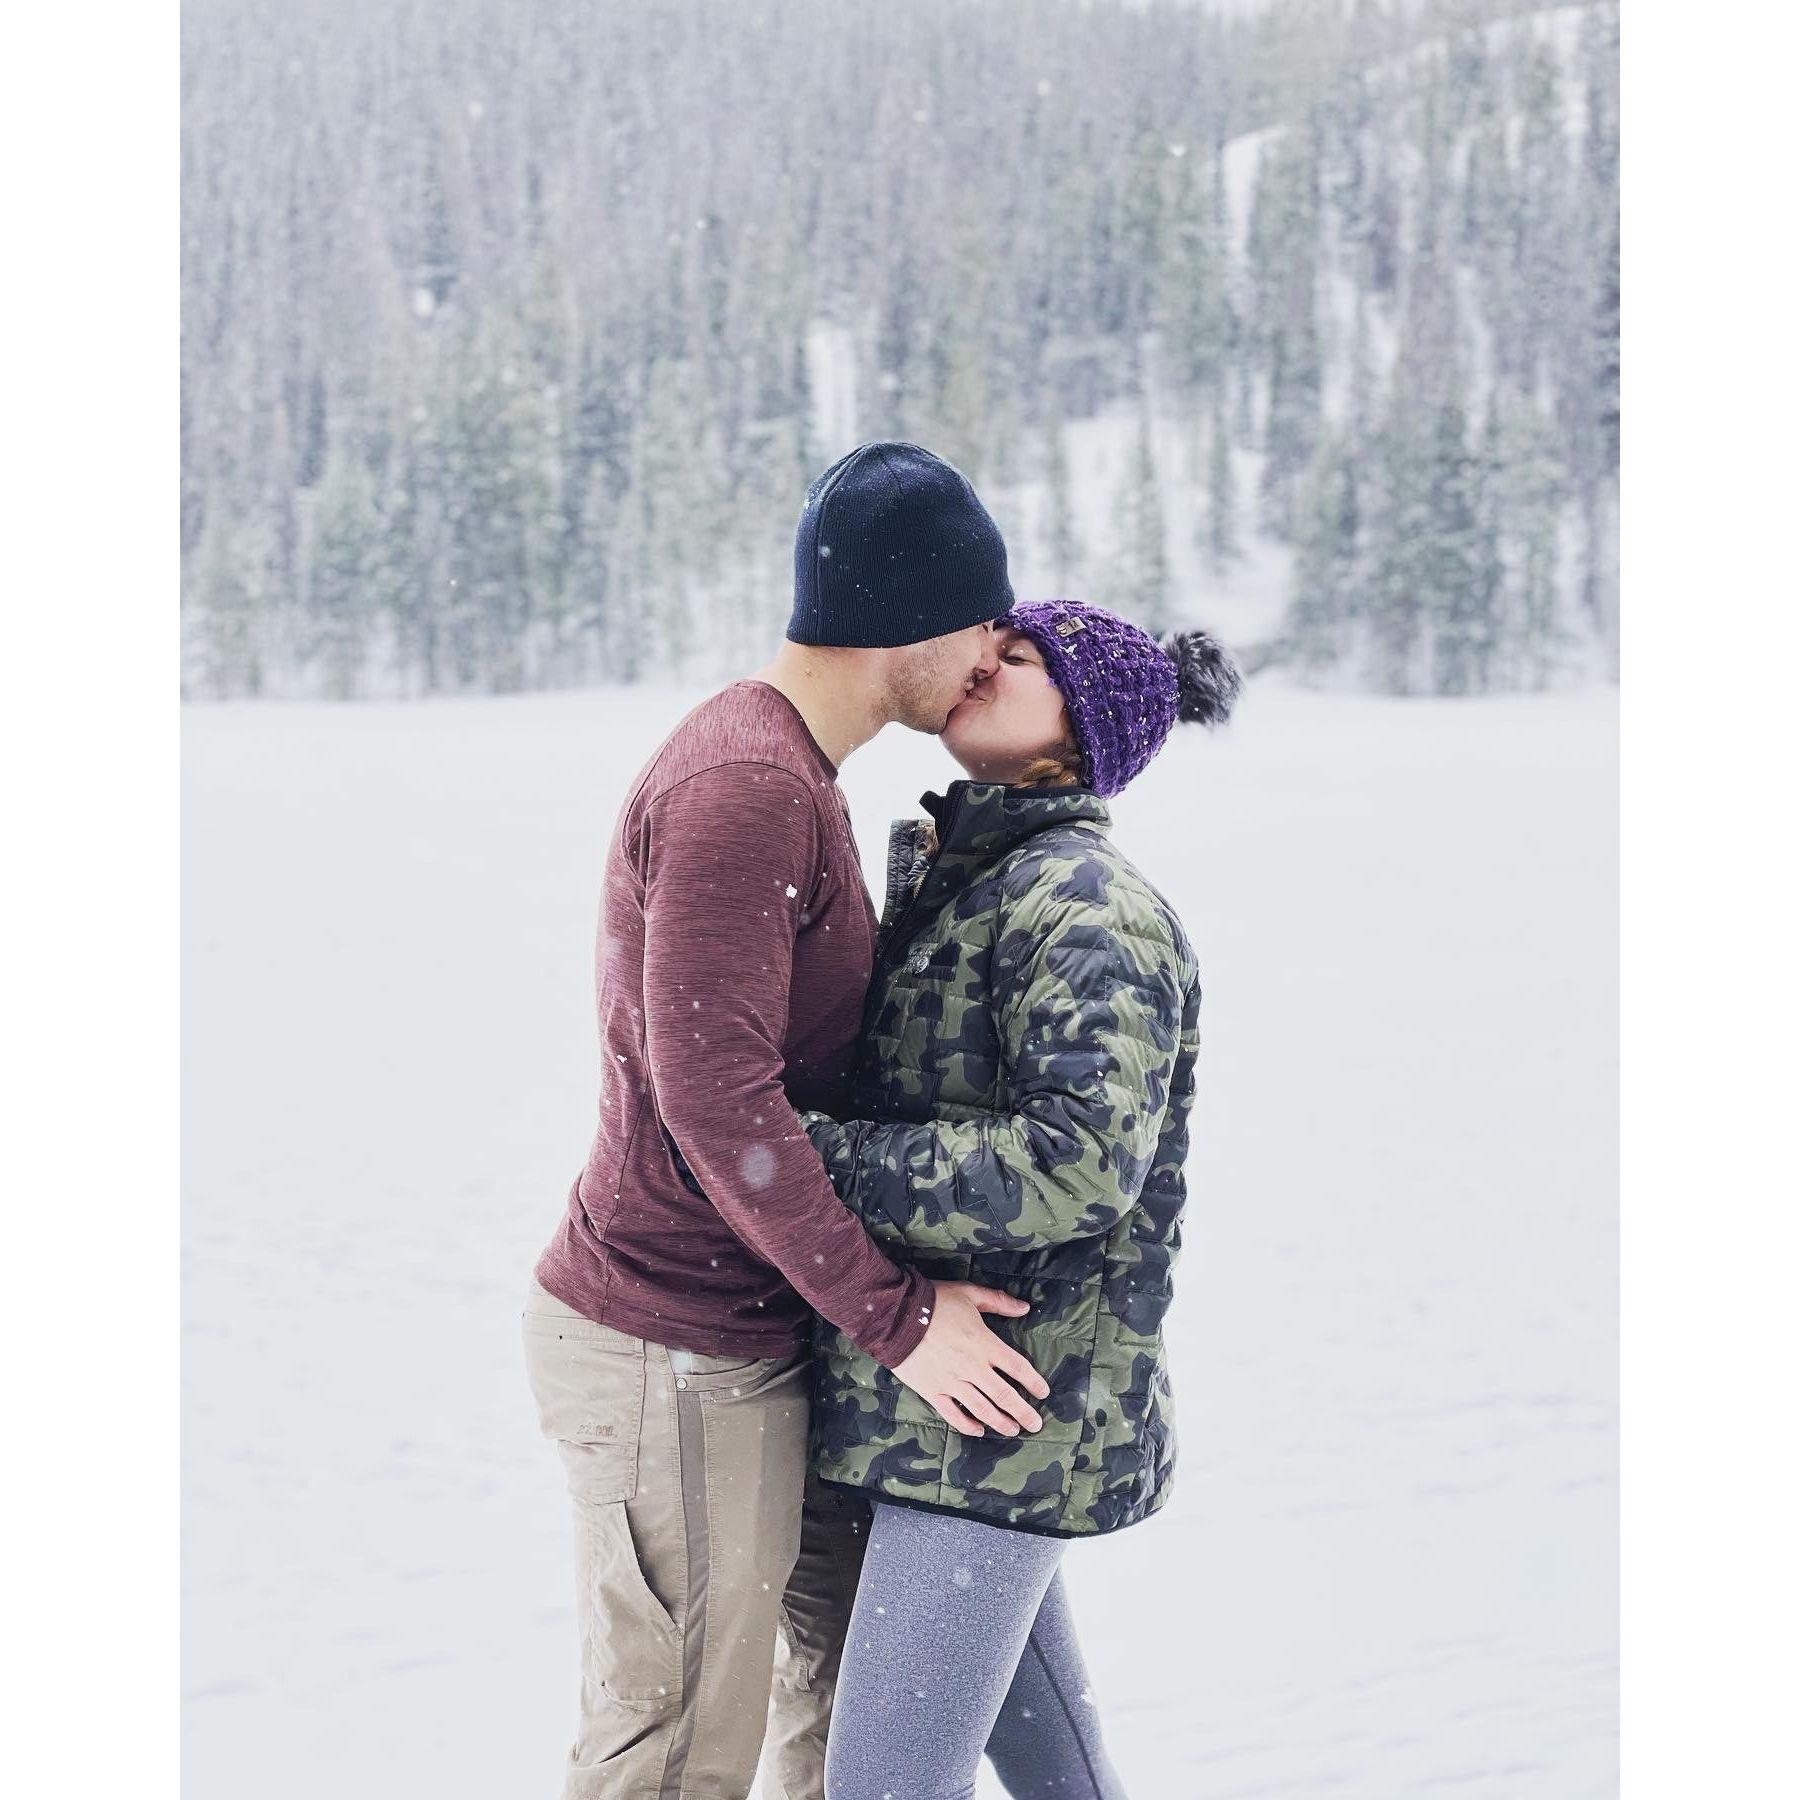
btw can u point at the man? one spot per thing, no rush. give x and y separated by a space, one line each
667 1331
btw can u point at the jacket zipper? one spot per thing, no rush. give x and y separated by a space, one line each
896 938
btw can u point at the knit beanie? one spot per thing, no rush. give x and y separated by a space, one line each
894 548
1123 689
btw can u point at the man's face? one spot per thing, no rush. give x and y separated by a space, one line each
930 679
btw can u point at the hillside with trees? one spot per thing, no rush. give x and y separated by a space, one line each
514 329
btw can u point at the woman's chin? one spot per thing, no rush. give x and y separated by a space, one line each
976 764
958 739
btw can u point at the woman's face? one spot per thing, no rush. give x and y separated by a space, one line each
1013 716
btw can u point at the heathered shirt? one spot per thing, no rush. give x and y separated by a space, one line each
736 944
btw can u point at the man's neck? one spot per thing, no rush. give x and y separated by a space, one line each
837 693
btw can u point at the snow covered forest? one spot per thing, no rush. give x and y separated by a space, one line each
513 329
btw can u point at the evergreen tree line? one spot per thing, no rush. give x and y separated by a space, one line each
502 321
1455 514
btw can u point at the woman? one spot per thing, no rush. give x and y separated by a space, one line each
1027 1072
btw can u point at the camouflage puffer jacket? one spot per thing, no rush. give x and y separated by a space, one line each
1022 1112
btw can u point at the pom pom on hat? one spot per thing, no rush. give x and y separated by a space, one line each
1207 681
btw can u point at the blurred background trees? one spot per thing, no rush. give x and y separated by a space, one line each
514 329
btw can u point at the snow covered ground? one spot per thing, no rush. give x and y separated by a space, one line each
1389 1567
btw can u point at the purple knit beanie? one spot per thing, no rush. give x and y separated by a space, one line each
1123 689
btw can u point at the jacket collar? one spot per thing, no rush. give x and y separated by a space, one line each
977 823
984 820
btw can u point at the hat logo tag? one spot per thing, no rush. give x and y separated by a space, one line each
1069 627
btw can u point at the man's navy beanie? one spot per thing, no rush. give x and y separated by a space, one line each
894 548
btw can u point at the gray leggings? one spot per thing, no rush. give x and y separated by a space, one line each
960 1641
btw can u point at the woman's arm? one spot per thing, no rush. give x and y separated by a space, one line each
1089 1027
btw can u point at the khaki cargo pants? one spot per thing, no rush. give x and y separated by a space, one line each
713 1580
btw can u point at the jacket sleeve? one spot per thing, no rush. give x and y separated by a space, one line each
1089 1014
728 857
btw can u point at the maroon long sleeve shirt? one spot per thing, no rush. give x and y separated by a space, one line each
736 942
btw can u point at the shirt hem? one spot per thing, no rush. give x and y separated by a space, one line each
671 1332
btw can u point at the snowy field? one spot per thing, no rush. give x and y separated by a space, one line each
1389 1566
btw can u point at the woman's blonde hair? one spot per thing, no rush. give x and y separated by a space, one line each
1059 767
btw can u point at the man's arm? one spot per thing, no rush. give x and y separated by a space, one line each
1090 1035
730 858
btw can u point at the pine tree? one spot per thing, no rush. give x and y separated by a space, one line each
345 599
1381 236
1190 308
589 574
1360 388
1545 227
1283 252
1489 569
1222 545
1142 227
770 502
1591 382
309 429
193 487
231 589
1062 537
1432 324
666 481
1450 559
1141 579
1606 358
632 587
1325 602
1295 383
418 507
1489 232
1400 520
502 508
962 406
1532 491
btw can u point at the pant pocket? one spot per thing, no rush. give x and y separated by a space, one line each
588 1383
697 1362
630 1646
722 1377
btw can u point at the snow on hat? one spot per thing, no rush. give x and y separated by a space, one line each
1123 689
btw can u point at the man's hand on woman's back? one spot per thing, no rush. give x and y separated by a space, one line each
966 1372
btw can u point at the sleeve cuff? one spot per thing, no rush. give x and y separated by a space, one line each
904 1337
